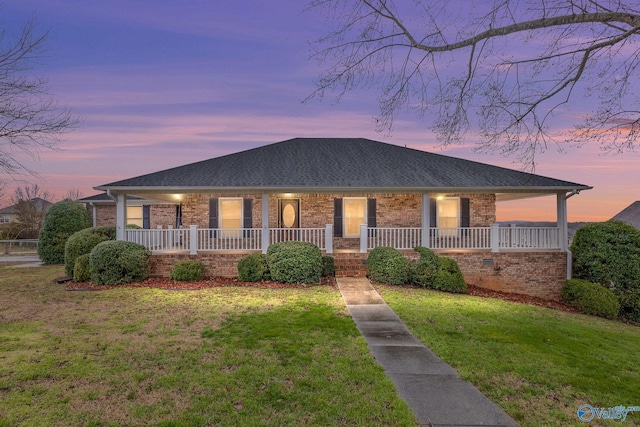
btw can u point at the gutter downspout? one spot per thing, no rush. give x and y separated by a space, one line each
569 254
115 199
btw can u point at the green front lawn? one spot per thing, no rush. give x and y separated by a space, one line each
245 356
539 364
222 356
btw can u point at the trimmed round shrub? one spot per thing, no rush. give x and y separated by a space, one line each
60 222
188 270
425 270
591 298
116 262
82 268
82 242
295 262
253 268
608 253
450 278
388 265
328 266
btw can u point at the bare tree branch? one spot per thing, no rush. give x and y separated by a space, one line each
503 68
30 117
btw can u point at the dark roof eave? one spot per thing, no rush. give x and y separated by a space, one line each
348 189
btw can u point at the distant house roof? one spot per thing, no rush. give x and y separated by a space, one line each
41 204
630 215
343 164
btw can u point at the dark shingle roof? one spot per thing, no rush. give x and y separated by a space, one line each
339 163
630 215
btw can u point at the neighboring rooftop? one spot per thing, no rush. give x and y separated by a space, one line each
630 215
347 164
41 204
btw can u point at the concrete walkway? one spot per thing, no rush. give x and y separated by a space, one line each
432 389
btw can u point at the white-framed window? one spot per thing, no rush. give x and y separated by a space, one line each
230 215
5 218
448 215
134 215
354 214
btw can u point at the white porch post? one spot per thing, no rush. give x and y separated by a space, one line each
426 219
121 216
363 238
193 240
328 238
495 237
562 221
265 223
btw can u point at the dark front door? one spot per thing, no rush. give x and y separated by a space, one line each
289 218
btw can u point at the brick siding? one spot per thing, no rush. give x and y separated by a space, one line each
160 214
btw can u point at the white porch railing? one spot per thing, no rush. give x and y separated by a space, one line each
460 238
159 239
317 236
399 238
529 238
236 239
492 238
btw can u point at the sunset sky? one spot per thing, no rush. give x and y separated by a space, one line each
163 83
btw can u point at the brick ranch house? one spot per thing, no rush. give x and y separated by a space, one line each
349 196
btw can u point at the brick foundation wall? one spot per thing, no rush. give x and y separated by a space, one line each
215 264
539 274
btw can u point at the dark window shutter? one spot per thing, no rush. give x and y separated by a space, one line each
371 213
146 217
213 213
247 208
337 217
213 216
433 214
178 216
465 212
247 218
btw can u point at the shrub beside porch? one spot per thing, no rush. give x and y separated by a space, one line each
539 274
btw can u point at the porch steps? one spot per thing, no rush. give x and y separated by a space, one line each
350 265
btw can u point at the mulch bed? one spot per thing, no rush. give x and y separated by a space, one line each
523 299
174 285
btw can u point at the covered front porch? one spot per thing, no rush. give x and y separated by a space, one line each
494 238
426 229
